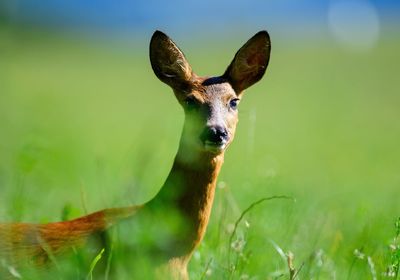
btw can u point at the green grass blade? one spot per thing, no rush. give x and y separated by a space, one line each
93 265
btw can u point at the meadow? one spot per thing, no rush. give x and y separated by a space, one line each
85 125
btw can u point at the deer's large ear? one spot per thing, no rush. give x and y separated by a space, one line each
250 62
168 61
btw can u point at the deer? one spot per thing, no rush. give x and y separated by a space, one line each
210 105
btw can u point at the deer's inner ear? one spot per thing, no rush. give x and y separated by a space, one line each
168 62
250 62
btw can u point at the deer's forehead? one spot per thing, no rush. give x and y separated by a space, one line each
213 92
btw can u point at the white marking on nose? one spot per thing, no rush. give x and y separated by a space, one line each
217 115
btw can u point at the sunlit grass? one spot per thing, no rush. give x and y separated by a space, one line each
85 126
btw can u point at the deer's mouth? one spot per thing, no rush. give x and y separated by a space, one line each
215 147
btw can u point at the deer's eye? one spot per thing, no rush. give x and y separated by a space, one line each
234 103
191 103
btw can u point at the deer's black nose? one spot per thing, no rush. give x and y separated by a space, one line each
215 134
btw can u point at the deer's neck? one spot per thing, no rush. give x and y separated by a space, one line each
189 191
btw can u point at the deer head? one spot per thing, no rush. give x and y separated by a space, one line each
210 103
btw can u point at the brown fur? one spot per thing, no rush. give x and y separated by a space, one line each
24 242
189 189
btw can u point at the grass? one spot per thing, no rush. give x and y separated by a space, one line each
86 125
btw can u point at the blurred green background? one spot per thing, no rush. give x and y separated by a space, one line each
85 124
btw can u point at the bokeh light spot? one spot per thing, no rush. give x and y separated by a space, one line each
354 24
